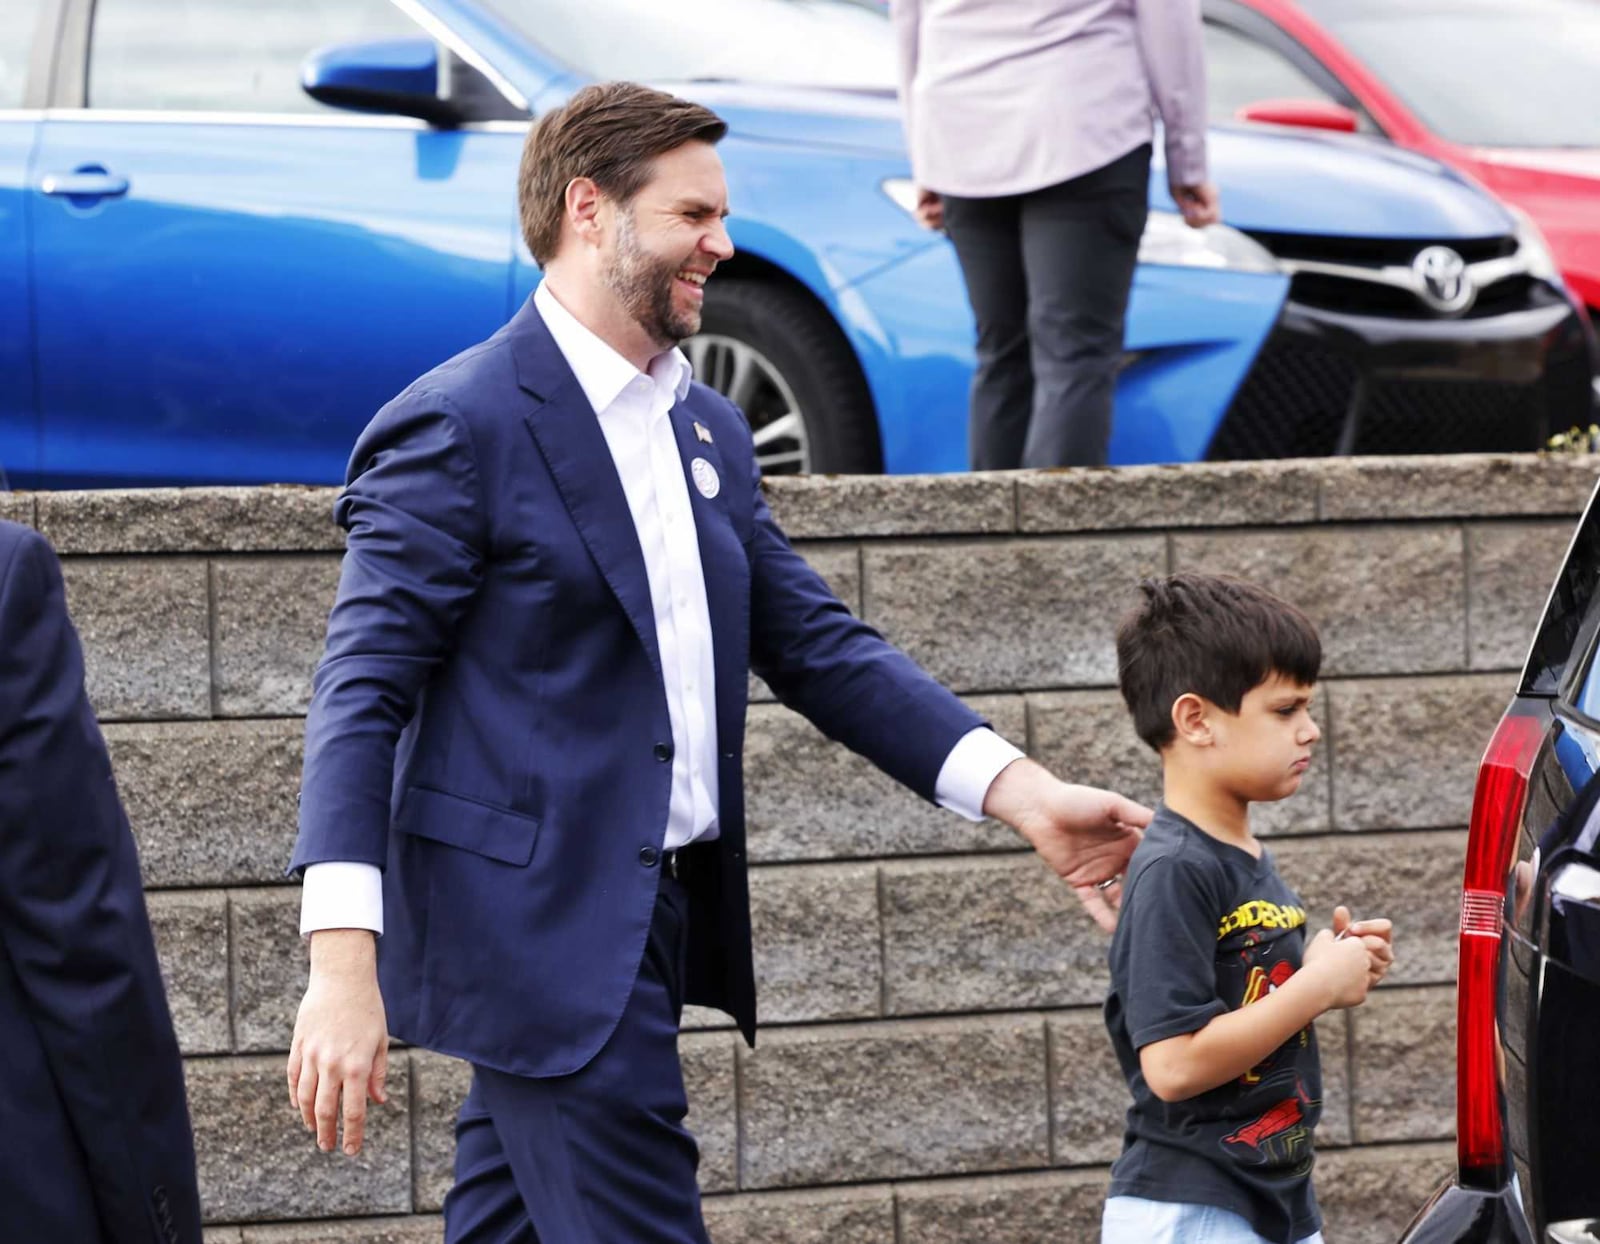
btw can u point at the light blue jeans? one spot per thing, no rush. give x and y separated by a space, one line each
1134 1220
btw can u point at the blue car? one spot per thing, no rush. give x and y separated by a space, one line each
231 229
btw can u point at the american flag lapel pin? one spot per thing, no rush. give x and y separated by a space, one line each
701 432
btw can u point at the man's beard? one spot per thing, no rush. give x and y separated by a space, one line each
644 285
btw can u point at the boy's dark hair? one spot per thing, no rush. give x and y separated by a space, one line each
1212 635
610 133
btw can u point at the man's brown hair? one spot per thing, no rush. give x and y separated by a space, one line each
609 133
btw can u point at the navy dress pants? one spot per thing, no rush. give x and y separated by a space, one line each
600 1156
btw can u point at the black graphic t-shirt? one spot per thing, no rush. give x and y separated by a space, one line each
1207 929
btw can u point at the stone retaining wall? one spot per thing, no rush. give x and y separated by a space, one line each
933 1069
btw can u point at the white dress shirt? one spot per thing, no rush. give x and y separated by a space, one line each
633 407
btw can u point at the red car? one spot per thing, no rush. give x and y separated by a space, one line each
1505 91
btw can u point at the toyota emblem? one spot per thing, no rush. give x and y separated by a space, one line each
1443 280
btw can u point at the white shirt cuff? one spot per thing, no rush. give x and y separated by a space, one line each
967 773
342 895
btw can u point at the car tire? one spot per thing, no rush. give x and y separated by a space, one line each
778 356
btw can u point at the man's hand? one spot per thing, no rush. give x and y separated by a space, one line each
1200 204
341 1042
929 210
1086 835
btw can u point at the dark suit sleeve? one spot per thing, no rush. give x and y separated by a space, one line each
73 921
413 562
827 664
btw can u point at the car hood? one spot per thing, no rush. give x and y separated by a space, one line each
865 122
1294 182
1577 163
1273 181
1560 189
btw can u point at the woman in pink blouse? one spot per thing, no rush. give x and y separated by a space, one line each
1030 124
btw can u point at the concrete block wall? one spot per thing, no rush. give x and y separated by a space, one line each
932 1066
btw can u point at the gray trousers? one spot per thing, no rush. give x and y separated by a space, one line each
1048 275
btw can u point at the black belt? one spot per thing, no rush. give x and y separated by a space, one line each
685 862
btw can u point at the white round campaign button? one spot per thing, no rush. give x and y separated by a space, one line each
705 478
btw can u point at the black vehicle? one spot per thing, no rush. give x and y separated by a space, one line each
1528 1061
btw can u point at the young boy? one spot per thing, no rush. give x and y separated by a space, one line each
1213 985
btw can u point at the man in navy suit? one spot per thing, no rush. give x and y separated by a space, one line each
522 766
95 1146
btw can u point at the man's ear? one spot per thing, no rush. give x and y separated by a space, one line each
582 202
1191 718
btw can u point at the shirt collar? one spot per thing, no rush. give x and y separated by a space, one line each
601 372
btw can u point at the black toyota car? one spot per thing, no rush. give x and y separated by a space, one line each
1528 1035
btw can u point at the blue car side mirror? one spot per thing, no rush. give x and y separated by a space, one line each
394 76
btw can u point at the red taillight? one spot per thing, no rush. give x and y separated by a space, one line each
1496 816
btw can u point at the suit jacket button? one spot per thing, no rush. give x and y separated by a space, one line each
648 856
663 752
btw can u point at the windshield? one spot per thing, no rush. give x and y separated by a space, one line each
1487 73
825 43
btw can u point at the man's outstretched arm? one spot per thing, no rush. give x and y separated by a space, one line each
861 691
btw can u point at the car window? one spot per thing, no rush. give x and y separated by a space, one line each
16 44
1241 70
825 43
1571 619
223 55
1533 65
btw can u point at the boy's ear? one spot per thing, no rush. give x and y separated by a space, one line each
1191 719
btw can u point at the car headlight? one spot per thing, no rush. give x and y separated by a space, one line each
902 192
1167 240
1533 249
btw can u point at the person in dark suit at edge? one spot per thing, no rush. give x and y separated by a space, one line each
522 826
95 1143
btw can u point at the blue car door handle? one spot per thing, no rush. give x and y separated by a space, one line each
90 182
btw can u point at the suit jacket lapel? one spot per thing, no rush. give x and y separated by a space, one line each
568 434
723 563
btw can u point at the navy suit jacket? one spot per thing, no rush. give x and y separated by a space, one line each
489 724
94 1129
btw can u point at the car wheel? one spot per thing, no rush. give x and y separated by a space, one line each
781 359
